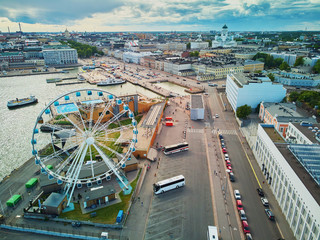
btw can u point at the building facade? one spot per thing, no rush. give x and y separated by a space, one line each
297 79
11 57
293 187
216 71
251 89
60 56
224 40
288 58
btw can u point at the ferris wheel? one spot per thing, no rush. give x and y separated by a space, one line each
83 137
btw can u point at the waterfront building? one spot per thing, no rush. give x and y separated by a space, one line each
177 66
297 79
280 115
134 57
288 58
60 55
253 66
314 60
252 89
224 40
11 57
291 170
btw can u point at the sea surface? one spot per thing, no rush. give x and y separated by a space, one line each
17 125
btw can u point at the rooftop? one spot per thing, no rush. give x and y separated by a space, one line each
54 200
196 101
308 132
274 135
245 78
301 172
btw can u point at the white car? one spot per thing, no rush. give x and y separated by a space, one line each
242 215
237 194
265 202
217 115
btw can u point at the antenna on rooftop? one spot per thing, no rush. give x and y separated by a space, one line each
8 30
20 27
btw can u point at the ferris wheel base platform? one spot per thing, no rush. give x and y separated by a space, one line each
125 191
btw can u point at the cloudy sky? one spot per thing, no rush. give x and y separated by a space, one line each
160 15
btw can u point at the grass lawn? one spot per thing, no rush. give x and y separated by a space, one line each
105 215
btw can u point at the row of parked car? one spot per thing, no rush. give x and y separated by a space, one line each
237 194
226 158
265 203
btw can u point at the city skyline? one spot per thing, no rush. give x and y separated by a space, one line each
176 15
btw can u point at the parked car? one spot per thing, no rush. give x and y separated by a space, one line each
224 150
222 145
76 224
260 192
217 115
269 214
245 227
226 157
248 236
237 195
220 136
265 202
229 167
231 176
242 215
239 205
228 163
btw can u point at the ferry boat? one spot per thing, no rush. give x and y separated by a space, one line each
53 80
21 102
110 82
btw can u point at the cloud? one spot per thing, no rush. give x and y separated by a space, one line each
146 15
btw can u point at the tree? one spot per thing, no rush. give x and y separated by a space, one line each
271 76
188 45
243 111
284 66
294 96
299 61
316 67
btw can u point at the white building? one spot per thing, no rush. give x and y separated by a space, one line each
297 79
174 46
60 56
288 58
314 60
292 172
134 57
176 66
224 40
251 89
199 44
197 107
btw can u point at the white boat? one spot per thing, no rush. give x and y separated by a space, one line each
53 80
80 77
111 81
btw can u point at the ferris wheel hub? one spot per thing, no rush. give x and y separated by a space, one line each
90 140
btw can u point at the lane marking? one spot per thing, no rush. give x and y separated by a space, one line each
153 235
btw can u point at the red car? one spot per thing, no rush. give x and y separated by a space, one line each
245 227
239 205
228 163
224 150
229 167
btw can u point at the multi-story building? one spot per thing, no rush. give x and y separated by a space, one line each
253 66
280 115
199 44
252 89
297 79
134 57
288 58
314 60
216 71
292 172
177 66
173 46
303 133
60 55
11 57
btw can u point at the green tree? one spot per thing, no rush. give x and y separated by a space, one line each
210 43
299 61
188 45
316 67
243 111
284 66
196 53
271 76
293 97
277 62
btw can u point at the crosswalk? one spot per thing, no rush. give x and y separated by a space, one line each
224 131
194 130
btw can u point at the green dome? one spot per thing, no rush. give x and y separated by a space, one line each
225 26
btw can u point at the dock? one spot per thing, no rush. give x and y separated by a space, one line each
69 83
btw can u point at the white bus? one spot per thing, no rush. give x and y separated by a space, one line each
176 148
212 233
169 184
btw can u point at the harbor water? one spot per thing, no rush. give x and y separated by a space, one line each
17 125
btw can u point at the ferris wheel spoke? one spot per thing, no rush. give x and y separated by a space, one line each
81 118
57 153
77 172
109 163
64 163
101 116
91 162
75 161
111 120
75 125
91 115
119 155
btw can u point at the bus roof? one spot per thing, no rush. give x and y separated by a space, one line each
170 180
173 145
212 233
